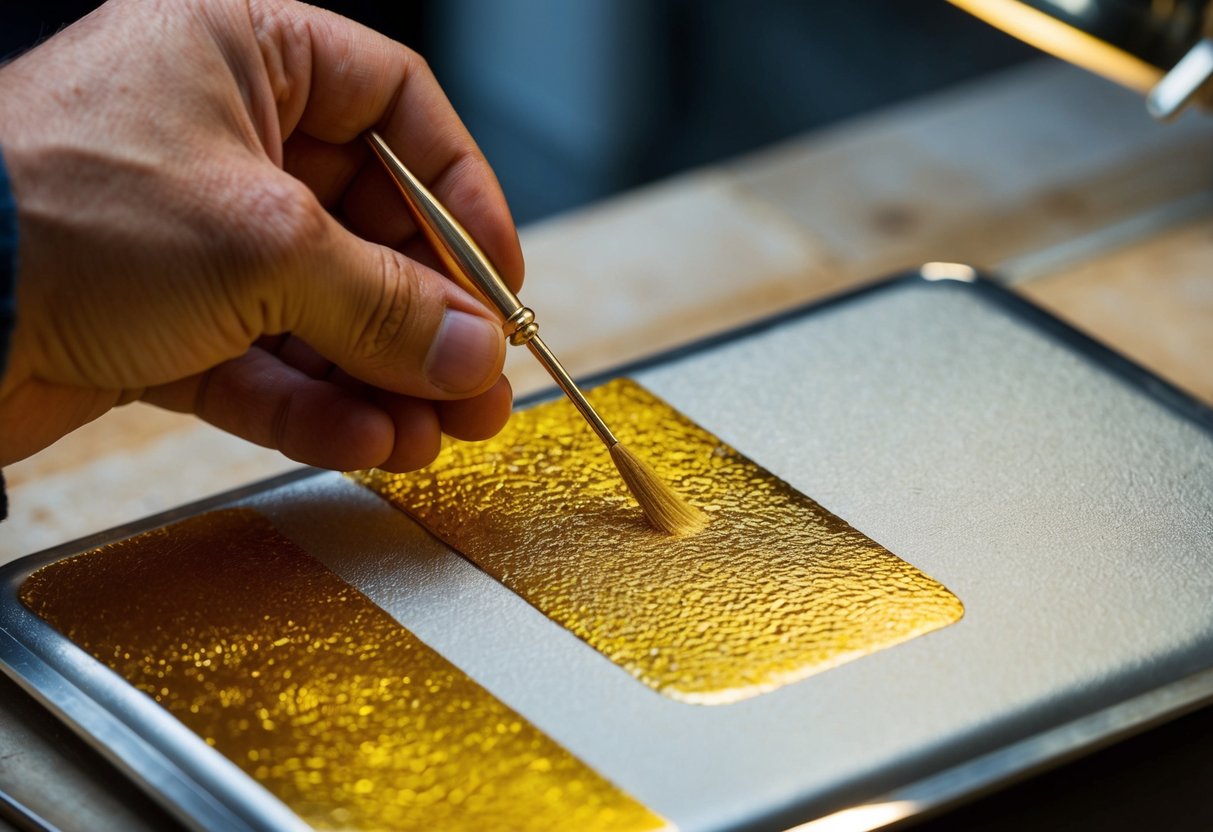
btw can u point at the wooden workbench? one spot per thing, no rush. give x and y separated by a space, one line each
1049 176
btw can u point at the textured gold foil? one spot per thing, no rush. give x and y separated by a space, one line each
774 589
313 690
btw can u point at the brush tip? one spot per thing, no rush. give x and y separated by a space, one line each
665 509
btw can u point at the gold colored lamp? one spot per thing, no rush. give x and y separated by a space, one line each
1161 48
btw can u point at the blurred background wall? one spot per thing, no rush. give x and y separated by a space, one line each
573 100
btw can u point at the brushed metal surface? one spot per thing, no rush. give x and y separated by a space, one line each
1065 504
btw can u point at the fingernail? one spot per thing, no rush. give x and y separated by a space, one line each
463 353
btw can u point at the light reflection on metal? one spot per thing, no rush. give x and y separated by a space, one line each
1078 8
948 271
862 818
1183 84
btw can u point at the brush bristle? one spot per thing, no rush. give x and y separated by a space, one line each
665 510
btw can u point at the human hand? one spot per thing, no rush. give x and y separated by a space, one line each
202 228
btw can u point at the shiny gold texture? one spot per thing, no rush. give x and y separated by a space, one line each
321 696
775 588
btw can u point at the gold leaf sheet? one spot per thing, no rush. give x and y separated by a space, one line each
305 684
774 589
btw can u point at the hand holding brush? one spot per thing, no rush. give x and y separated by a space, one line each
469 267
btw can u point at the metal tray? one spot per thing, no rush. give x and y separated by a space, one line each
1062 492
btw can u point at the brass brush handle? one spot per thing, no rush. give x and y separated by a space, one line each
471 269
464 260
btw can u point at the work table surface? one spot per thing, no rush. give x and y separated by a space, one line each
1051 179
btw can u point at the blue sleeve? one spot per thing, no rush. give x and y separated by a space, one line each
8 285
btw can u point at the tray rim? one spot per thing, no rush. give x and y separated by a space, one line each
205 790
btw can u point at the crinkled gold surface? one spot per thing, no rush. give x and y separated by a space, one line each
313 690
774 589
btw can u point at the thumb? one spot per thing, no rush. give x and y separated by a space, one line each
395 323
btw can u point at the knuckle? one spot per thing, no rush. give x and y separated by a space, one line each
272 225
393 314
415 64
292 222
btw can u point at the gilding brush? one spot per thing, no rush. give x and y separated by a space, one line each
471 269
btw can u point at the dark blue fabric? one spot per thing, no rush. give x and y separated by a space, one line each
8 285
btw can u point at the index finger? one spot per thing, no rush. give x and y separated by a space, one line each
334 78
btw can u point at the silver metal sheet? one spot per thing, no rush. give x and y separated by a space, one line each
1065 496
